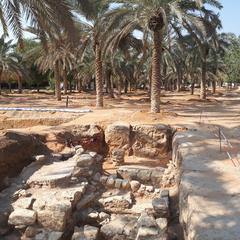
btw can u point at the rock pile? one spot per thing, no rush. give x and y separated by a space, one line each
171 175
152 224
53 191
66 195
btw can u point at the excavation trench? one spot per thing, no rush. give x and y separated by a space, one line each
107 183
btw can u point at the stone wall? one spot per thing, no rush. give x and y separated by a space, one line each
209 187
16 150
90 136
145 140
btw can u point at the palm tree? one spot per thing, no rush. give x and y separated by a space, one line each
203 30
93 11
10 65
156 16
61 59
49 17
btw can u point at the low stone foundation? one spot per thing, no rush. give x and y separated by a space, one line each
68 195
209 187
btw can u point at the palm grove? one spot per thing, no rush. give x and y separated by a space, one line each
115 45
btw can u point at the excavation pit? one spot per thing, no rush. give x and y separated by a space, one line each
82 192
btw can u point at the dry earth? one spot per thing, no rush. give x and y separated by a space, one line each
180 110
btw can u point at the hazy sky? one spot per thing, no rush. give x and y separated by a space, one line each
230 16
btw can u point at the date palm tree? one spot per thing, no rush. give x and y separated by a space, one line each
203 30
95 32
10 66
158 17
50 17
61 59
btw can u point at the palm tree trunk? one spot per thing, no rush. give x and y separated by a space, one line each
178 80
119 85
203 94
156 72
65 82
0 82
109 83
150 81
79 85
98 73
10 87
57 83
213 86
19 86
126 86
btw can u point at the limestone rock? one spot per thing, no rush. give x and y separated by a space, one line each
30 232
126 185
24 203
99 158
68 153
147 233
93 215
86 233
162 223
116 227
93 154
103 216
147 220
117 201
118 183
146 175
53 175
86 200
54 207
90 232
117 136
151 141
161 207
54 220
147 227
118 156
135 185
55 236
149 188
22 217
84 160
79 150
110 182
81 172
44 234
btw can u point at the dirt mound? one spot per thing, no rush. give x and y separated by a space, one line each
16 151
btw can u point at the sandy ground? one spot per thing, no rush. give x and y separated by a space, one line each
176 109
180 110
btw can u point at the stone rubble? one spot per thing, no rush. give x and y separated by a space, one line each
144 175
67 196
171 175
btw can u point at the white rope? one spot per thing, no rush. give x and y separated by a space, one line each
72 110
227 142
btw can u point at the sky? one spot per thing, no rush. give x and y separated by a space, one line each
230 16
